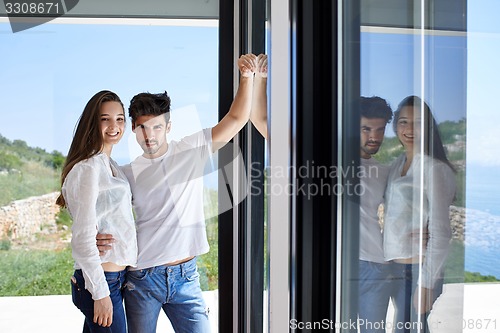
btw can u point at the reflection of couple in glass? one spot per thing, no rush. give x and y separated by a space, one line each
150 262
416 226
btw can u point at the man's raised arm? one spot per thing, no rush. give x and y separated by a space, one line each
239 112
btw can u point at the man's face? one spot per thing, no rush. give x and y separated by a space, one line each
372 135
151 134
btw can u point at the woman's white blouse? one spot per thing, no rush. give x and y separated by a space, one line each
410 211
99 200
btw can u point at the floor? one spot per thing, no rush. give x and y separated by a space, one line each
461 308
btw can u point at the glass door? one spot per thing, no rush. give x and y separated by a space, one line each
53 70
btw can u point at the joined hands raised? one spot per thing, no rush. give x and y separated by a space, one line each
250 64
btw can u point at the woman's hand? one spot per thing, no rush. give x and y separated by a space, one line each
426 303
103 312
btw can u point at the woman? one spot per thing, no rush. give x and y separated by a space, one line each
417 231
97 195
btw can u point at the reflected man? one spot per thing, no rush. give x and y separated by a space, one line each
374 271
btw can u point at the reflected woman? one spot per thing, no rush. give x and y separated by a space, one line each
97 195
417 231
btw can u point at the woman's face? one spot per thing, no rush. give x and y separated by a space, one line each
408 128
112 123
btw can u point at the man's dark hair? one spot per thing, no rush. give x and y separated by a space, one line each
146 104
375 107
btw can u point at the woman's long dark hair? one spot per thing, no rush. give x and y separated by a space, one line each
433 145
87 140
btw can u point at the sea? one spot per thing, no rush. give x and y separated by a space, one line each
482 226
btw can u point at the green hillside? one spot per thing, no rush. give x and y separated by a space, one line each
27 171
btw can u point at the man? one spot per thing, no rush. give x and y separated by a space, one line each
374 271
167 189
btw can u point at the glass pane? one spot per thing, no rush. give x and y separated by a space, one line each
51 72
428 237
482 216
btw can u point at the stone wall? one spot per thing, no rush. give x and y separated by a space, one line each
457 219
24 218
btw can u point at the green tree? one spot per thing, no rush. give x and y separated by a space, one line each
449 130
20 144
56 160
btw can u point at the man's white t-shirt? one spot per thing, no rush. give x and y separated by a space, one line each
373 181
167 196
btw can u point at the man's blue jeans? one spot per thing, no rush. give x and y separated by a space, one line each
83 301
175 289
375 290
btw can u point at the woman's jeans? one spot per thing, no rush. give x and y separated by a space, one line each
83 301
405 282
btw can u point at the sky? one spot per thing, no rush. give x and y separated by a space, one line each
464 71
50 72
483 87
391 69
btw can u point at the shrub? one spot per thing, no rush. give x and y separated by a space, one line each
9 161
5 244
63 218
